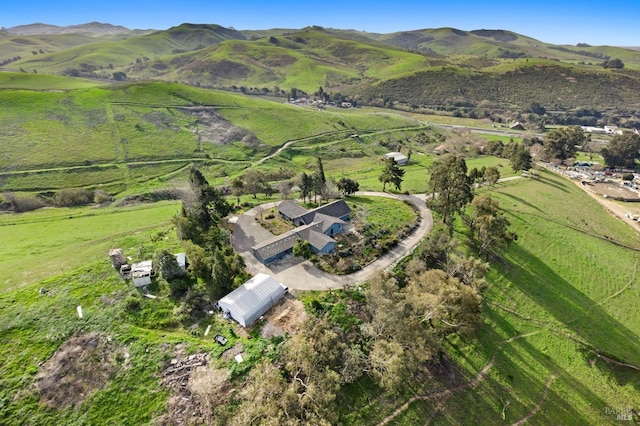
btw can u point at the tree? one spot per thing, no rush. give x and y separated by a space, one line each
491 175
562 143
222 275
489 226
348 186
520 158
613 63
622 151
444 303
237 188
318 186
302 249
391 174
450 188
306 186
320 171
253 181
171 272
169 267
536 108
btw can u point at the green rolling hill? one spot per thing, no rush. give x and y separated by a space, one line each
69 134
306 59
430 67
99 54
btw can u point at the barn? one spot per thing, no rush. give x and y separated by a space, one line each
252 299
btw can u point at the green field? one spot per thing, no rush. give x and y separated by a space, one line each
48 242
560 317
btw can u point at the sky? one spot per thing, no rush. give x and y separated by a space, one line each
615 22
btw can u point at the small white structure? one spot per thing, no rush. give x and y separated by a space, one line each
399 158
181 258
142 272
252 299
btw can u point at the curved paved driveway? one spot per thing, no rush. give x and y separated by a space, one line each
300 274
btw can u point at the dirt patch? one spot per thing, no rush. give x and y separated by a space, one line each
213 128
285 318
197 388
613 190
81 366
230 353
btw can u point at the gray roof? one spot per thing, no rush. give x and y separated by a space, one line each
327 221
252 299
398 157
283 242
337 208
317 239
291 209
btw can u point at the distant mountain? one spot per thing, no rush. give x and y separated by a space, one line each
97 28
99 53
427 68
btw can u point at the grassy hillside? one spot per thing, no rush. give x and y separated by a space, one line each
125 134
10 80
110 54
559 322
306 59
49 246
12 45
500 44
559 319
513 85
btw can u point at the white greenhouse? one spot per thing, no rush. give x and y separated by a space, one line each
252 299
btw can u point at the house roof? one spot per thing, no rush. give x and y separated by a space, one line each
327 221
337 208
253 298
398 157
284 242
317 239
291 209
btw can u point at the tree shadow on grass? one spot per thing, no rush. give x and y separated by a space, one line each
522 201
586 322
550 181
523 375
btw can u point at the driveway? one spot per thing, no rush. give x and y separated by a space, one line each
298 274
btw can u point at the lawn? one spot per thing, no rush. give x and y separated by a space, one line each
47 242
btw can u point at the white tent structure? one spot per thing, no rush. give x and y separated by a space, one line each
248 302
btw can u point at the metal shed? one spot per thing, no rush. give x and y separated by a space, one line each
252 299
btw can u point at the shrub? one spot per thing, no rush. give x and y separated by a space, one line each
101 196
23 203
72 197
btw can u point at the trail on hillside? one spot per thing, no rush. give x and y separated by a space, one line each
536 408
442 396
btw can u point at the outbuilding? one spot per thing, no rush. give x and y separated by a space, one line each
142 272
398 157
252 299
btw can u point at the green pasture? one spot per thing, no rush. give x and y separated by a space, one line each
28 81
48 242
562 299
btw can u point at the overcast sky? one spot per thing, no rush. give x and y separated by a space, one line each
614 22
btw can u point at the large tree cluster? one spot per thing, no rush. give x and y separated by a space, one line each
213 266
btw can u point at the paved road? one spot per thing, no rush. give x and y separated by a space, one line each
300 274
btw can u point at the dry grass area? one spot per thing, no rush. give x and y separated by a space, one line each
613 190
285 318
81 366
196 388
